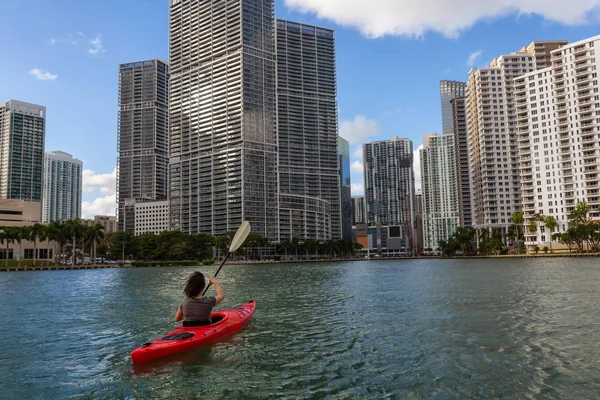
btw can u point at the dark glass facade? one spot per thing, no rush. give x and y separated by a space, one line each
142 137
223 145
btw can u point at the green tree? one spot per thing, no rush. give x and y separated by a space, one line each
74 231
21 233
465 236
518 221
295 245
551 224
7 237
94 235
579 216
36 232
594 235
532 227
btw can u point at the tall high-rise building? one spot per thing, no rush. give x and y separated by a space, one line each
440 191
22 134
63 185
461 157
390 185
449 90
557 120
223 143
309 183
419 222
142 137
359 210
345 188
491 128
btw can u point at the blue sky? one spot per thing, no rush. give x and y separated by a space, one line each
391 56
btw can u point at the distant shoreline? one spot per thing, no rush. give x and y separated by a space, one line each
111 266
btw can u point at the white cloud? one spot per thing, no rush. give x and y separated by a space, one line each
376 18
473 57
72 38
106 183
97 46
101 206
358 153
357 167
358 189
357 131
42 75
417 167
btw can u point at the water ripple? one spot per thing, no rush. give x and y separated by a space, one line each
519 329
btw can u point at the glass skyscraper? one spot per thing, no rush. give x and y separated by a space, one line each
450 90
390 186
22 135
142 137
307 133
345 188
223 144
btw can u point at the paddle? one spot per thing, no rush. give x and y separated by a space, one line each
238 240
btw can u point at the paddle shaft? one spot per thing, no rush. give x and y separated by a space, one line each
215 275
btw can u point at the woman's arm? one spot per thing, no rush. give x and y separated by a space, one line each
220 296
179 314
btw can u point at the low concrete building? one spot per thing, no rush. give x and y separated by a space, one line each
20 213
382 240
108 222
151 217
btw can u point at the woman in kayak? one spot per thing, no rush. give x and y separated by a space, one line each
195 309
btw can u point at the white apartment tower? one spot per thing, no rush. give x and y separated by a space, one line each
62 187
439 189
558 120
492 132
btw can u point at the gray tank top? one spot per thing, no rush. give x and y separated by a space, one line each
198 309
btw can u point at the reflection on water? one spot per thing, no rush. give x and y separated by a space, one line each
370 330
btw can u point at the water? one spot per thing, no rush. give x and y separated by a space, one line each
426 329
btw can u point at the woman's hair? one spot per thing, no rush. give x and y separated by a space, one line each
194 284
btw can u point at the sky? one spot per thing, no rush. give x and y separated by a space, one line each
391 55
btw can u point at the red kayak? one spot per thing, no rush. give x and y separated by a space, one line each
181 339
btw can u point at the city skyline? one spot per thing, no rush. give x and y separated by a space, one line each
96 46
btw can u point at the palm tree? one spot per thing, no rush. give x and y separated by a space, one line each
532 227
551 224
46 235
95 234
294 245
36 232
7 236
22 233
74 230
518 221
58 233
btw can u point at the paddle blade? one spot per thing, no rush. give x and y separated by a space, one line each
240 236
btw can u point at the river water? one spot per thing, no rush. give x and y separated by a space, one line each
415 329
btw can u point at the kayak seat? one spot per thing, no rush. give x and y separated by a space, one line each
178 336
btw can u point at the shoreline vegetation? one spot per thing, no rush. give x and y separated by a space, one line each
168 264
